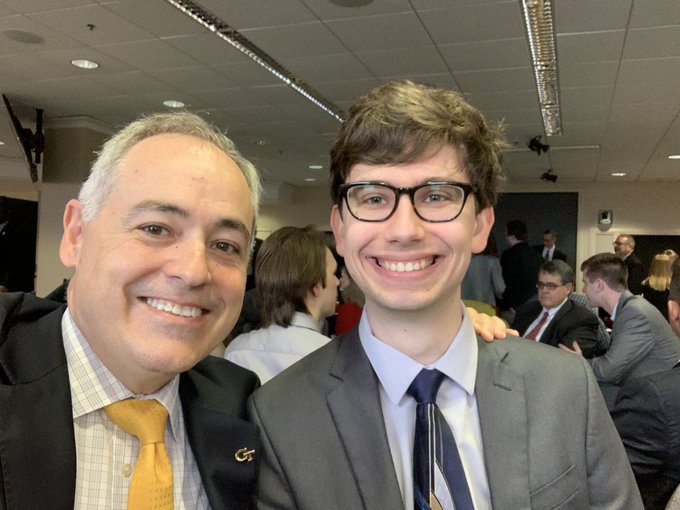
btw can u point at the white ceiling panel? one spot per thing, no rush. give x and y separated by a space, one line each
619 69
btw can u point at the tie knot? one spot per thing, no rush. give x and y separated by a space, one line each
425 386
144 419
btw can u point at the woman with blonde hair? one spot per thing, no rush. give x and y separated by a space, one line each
655 286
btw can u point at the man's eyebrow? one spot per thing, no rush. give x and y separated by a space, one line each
169 208
157 206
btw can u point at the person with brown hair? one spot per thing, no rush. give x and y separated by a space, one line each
415 171
297 290
646 416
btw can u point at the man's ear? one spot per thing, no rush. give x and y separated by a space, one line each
674 311
483 223
337 227
72 239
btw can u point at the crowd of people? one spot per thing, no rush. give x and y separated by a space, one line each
417 402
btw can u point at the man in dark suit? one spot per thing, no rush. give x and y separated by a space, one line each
624 247
555 318
646 416
548 249
414 172
159 239
520 265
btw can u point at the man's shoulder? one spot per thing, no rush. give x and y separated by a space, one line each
533 360
575 312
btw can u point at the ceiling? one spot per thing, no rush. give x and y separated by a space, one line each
619 69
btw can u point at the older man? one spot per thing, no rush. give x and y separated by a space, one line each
159 239
646 416
555 318
624 246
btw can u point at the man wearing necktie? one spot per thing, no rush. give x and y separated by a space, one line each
555 319
108 402
411 410
548 249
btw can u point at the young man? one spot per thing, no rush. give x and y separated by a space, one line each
297 290
555 319
642 341
414 175
646 416
159 239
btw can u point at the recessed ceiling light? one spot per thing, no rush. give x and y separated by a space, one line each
259 142
618 174
315 167
2 143
310 179
674 156
171 103
84 63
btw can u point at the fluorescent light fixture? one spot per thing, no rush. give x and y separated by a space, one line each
171 103
315 167
538 22
674 156
222 30
618 174
84 63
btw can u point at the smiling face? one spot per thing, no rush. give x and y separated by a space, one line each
161 269
406 264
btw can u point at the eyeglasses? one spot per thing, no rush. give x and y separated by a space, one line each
618 243
549 285
436 201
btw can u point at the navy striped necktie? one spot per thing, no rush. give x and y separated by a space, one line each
438 471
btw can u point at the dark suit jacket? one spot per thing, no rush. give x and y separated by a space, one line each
571 323
636 273
647 416
557 254
548 439
37 446
520 266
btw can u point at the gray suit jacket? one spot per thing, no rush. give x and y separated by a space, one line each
324 443
642 343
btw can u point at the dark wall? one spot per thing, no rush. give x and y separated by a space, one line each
540 212
648 246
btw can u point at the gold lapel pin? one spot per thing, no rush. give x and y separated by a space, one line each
244 455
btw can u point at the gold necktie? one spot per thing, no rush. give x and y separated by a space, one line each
151 485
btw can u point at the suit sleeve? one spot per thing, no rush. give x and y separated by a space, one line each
584 332
632 340
640 418
273 490
611 484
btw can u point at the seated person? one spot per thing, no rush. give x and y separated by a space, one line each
554 318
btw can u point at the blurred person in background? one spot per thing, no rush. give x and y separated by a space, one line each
483 281
348 312
655 286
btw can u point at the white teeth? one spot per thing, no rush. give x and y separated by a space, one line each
401 267
174 308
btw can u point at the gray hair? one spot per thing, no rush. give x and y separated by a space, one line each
106 168
559 268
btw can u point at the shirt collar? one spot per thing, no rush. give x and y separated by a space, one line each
304 320
396 371
93 386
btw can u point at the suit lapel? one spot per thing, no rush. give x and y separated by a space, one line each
356 410
216 429
503 419
547 336
37 443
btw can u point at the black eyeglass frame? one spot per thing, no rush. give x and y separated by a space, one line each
343 189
